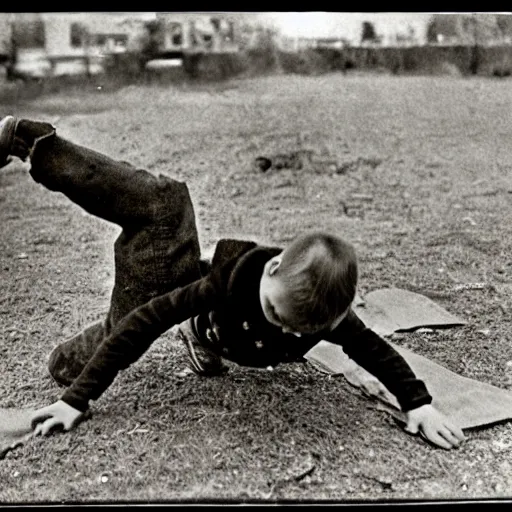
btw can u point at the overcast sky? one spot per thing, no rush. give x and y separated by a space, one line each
320 24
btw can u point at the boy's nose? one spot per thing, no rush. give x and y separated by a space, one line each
286 331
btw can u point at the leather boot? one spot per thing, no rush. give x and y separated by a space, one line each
18 137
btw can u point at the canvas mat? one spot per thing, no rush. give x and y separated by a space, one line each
15 428
467 402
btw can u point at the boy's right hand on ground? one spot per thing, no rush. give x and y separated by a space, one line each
60 414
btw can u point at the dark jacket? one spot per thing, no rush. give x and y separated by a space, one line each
231 291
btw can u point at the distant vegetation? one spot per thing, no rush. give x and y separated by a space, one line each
458 45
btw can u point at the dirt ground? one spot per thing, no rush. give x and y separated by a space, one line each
414 171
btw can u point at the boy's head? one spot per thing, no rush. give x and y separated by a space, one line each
310 285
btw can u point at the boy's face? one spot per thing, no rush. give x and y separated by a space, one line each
273 297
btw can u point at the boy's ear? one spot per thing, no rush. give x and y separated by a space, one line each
274 265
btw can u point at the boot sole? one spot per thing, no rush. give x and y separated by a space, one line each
195 364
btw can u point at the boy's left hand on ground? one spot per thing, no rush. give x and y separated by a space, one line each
434 426
59 414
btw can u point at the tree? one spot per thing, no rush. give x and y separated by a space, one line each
369 33
432 32
504 22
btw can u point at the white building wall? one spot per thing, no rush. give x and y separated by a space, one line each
5 32
58 35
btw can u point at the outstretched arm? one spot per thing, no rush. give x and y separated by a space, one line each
378 357
130 338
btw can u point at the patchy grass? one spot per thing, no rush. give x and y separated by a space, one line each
420 184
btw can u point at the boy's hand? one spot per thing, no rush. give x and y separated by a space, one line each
58 414
434 426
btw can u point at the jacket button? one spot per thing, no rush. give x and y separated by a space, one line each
259 344
246 326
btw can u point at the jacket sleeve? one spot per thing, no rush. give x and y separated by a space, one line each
134 334
229 248
378 357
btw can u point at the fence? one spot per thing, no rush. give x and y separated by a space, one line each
432 59
475 59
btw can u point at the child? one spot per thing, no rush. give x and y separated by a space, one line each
255 305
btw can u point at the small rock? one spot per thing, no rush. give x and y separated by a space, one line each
362 197
103 478
22 256
470 220
184 373
263 164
